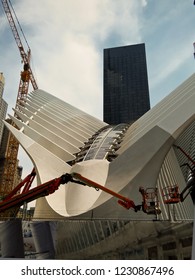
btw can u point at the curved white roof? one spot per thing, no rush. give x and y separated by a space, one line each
56 135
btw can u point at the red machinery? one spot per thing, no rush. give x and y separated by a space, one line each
14 200
150 202
123 201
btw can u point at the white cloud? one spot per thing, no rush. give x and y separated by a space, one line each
168 34
144 3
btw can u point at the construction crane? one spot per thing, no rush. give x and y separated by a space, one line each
26 77
27 74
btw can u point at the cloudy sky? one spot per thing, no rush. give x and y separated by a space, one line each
67 38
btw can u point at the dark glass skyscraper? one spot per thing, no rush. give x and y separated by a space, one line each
126 91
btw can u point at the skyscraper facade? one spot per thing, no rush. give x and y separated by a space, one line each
126 90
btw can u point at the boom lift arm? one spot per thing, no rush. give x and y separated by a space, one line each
122 200
14 200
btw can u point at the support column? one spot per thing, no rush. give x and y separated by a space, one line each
43 240
11 239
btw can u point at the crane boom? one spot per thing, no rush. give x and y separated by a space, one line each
25 56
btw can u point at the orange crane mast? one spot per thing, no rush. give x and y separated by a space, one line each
27 74
11 161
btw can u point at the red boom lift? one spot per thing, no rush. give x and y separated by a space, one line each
14 200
